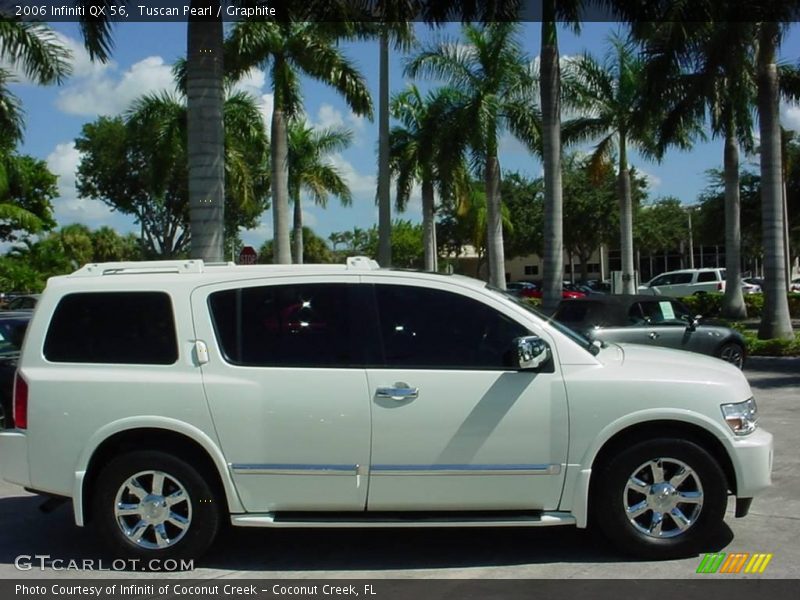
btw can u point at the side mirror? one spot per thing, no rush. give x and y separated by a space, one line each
531 352
692 323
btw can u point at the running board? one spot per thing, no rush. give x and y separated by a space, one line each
405 519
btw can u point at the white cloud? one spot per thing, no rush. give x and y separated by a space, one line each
68 208
653 181
260 234
252 82
101 93
265 104
359 183
790 116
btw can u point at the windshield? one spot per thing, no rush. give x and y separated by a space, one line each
576 337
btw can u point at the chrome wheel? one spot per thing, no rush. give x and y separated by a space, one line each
733 354
153 510
663 498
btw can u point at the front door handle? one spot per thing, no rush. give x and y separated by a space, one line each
400 392
653 335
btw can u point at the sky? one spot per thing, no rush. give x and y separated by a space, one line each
141 61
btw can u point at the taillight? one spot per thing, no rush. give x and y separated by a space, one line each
20 402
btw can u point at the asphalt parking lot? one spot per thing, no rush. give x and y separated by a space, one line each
773 526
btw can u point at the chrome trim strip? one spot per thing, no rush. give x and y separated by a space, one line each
293 469
382 470
456 469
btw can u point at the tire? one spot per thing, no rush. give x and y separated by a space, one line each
733 353
153 528
681 533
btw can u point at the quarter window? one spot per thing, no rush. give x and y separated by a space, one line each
433 329
113 328
286 325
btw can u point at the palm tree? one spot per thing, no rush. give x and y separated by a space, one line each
33 49
290 49
309 171
493 88
775 321
612 95
710 76
762 35
421 152
550 102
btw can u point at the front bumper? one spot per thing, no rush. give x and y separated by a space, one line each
752 462
14 458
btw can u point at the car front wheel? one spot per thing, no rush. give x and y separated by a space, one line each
662 498
733 353
153 505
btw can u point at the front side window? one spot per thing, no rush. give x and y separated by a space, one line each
308 325
113 328
433 329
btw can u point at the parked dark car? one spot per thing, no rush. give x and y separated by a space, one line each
23 302
12 331
650 320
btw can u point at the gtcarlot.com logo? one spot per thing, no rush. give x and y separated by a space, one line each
734 562
27 562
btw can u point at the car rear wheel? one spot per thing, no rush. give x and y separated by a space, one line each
152 505
733 353
662 498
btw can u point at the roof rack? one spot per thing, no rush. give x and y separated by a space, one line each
140 267
361 262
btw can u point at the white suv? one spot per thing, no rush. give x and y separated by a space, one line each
163 398
685 283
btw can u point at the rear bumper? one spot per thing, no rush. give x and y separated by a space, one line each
14 461
752 461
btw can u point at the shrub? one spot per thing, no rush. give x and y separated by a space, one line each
710 305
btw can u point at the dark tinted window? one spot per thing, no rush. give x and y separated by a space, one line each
584 314
113 327
427 328
12 333
682 278
706 276
286 325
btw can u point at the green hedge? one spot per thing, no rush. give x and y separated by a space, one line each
710 305
757 347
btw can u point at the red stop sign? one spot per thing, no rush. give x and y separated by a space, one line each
248 255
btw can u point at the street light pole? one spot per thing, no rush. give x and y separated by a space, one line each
691 243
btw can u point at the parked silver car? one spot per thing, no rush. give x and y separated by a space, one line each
653 321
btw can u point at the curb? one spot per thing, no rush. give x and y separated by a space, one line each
773 363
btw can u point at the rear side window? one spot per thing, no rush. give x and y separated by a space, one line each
681 278
113 328
308 325
706 276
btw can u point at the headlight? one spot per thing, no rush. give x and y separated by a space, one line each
741 417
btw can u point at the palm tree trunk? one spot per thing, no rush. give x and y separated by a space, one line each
280 187
206 135
553 265
297 242
428 226
384 198
494 224
625 218
733 306
775 319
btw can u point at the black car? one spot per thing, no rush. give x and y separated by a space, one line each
12 331
650 320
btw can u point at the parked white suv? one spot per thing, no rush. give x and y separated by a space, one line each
165 397
685 283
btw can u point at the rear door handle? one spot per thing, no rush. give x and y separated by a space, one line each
401 391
